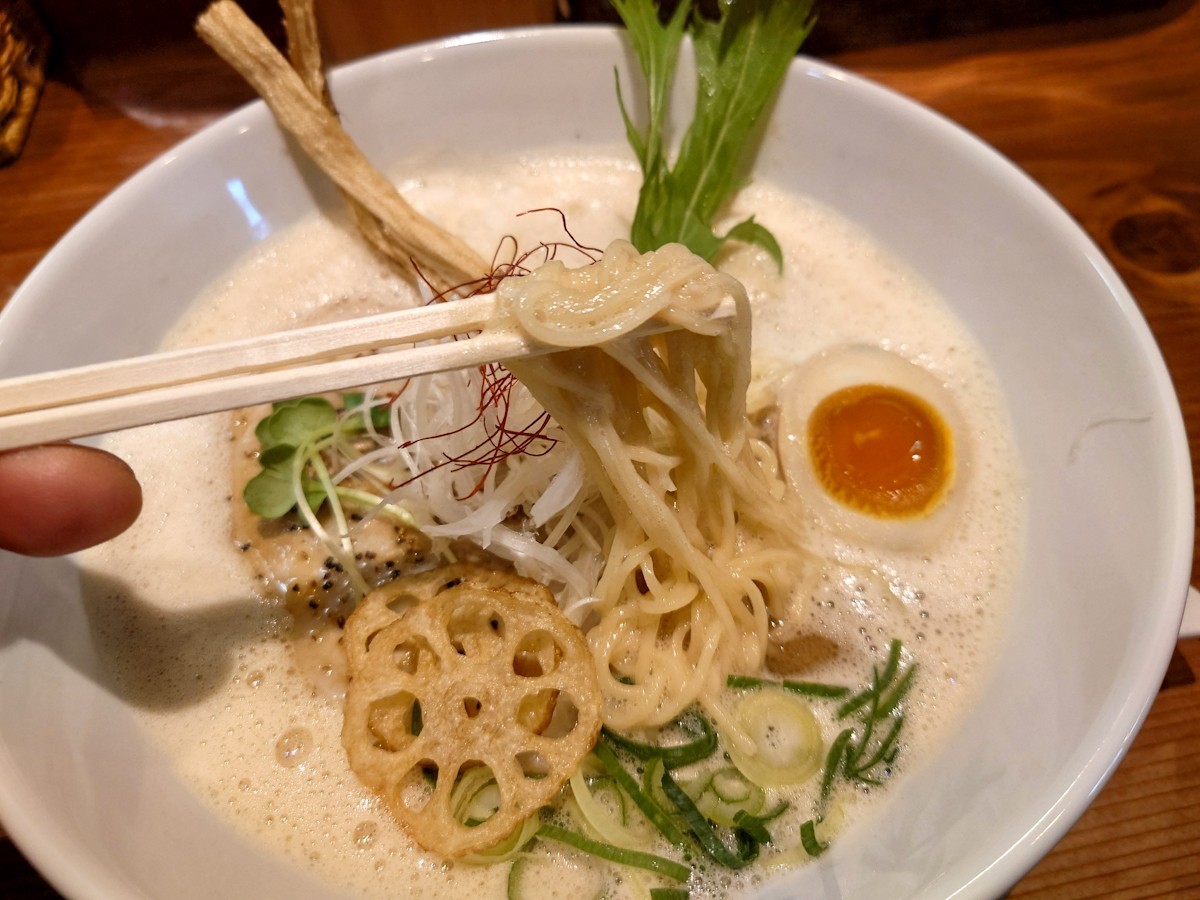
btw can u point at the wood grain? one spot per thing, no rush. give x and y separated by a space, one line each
1104 112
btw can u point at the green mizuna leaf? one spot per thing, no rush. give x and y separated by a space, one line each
741 59
751 232
657 48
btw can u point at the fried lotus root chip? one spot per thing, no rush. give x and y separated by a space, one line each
459 668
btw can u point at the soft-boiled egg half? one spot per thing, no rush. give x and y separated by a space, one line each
874 446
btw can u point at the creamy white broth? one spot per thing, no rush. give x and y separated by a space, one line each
198 653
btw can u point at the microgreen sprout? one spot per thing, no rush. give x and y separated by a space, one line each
290 436
295 437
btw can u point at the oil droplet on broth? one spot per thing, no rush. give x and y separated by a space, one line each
364 834
292 748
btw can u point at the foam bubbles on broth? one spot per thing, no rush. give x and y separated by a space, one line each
199 655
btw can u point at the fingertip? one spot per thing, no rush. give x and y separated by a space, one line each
60 498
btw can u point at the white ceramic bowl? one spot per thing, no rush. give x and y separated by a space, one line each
96 807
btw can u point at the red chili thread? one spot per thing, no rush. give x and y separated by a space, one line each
500 440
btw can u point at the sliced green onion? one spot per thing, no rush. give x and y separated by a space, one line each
893 662
603 784
879 683
752 826
475 797
885 752
889 701
673 757
855 703
786 737
652 783
726 793
597 817
833 762
856 748
636 858
731 785
858 751
650 808
507 849
808 839
829 823
702 830
756 826
815 689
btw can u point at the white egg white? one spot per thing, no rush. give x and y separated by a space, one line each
846 366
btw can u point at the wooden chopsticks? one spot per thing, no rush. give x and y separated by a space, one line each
96 399
107 397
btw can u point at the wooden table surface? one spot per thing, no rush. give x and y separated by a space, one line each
1104 112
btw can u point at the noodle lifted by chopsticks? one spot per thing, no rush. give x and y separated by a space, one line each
698 548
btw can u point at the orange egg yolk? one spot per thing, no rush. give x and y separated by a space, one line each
880 450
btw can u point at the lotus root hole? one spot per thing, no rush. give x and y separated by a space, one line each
401 602
475 631
537 654
484 803
533 764
395 720
416 789
549 713
413 654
